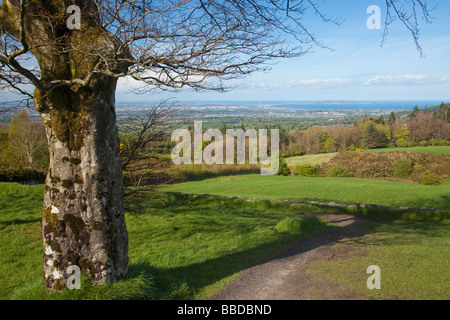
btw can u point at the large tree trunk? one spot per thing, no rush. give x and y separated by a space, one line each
83 220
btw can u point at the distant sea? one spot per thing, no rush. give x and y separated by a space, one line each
357 105
396 105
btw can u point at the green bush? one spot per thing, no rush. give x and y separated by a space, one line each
295 225
401 143
402 169
283 169
306 170
299 152
434 142
423 143
338 171
22 175
430 179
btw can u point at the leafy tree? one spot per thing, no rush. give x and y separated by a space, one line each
327 142
375 135
27 143
392 118
3 144
283 169
381 120
163 44
414 113
370 135
385 135
401 134
443 112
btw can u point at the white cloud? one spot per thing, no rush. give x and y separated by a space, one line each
305 83
407 80
322 83
378 80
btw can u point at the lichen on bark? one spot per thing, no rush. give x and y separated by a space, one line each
82 217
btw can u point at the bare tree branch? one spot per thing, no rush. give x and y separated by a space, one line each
168 44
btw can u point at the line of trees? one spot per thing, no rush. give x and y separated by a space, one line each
23 144
419 128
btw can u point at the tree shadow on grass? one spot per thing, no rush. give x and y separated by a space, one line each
5 224
185 282
443 202
189 281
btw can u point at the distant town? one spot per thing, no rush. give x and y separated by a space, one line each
293 115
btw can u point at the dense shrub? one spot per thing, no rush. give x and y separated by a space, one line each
307 171
401 143
431 179
200 171
22 175
402 169
337 171
434 142
283 169
381 165
298 152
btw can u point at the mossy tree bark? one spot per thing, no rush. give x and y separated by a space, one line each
83 220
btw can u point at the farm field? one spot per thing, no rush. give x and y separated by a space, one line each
338 190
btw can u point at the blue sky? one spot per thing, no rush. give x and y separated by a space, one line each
357 68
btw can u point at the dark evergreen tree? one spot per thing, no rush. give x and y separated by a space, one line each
392 118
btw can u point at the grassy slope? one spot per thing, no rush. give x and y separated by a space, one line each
312 159
180 248
413 258
339 190
20 245
189 247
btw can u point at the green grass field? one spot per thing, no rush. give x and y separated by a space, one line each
189 247
311 159
338 190
429 149
414 259
180 247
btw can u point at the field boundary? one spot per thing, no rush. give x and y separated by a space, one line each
318 203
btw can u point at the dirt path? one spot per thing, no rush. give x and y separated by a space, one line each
284 277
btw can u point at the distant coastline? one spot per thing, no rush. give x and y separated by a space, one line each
395 105
238 108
